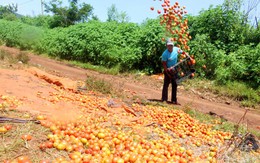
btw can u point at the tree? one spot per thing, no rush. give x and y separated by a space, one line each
114 15
66 16
8 12
123 17
251 30
85 12
251 6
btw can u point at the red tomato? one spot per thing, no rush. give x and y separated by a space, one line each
23 159
8 127
45 161
27 137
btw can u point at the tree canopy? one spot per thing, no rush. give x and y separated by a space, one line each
65 16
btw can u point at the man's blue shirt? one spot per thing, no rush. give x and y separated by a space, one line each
170 58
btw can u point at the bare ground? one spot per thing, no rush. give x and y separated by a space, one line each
26 82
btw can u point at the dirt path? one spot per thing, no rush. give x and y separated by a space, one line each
145 88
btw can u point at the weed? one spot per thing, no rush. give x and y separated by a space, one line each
12 59
94 84
2 55
23 57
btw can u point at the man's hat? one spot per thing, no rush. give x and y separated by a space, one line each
169 42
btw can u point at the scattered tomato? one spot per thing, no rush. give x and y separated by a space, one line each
27 137
40 117
3 130
45 161
8 127
23 159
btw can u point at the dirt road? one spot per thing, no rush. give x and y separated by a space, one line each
146 88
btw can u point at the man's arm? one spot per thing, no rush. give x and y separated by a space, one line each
165 69
164 66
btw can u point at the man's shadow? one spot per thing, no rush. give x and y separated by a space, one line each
155 100
159 100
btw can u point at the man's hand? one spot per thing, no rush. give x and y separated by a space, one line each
169 69
169 72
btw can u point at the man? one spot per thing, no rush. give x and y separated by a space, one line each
169 59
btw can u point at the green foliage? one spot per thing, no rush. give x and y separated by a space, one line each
225 44
9 16
11 34
19 35
247 64
106 44
224 27
101 69
114 15
152 46
43 21
252 36
8 12
242 65
207 54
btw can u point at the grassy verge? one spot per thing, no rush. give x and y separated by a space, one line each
101 69
240 92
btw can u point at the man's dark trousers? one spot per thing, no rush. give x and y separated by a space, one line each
166 83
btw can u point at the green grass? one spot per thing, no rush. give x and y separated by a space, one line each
237 91
101 69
